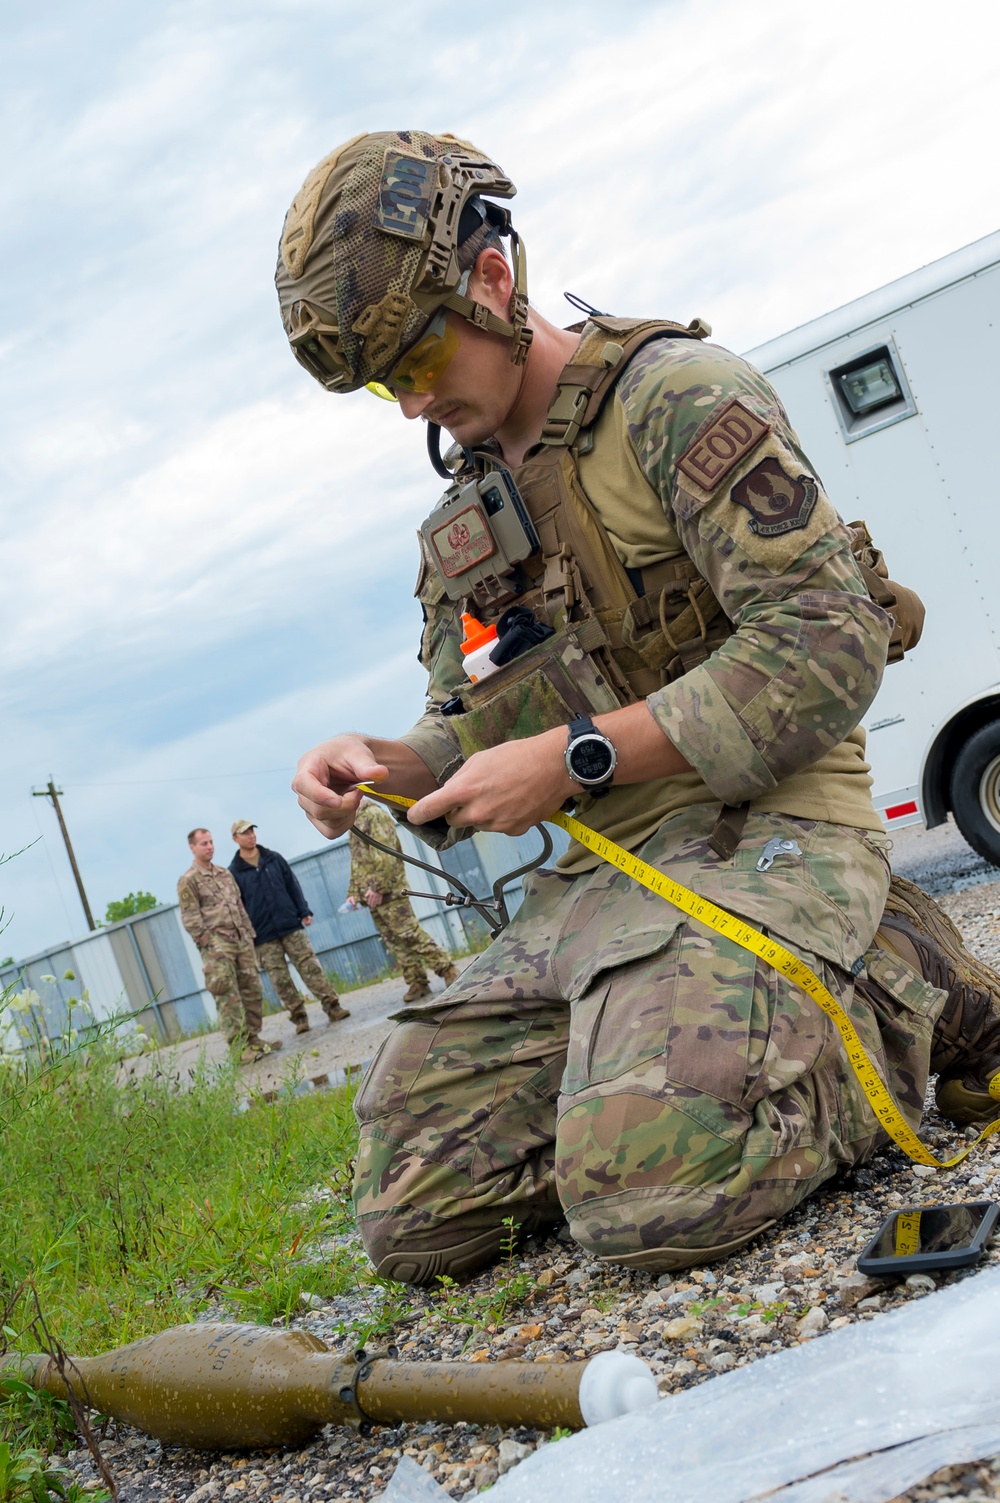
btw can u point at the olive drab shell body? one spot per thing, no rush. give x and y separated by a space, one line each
619 634
218 1386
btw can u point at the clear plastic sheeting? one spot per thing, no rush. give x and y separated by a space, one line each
855 1416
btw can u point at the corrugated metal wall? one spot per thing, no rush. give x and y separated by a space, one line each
149 967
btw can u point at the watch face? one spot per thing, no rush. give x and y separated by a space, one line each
591 759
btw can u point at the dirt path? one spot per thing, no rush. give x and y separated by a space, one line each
327 1055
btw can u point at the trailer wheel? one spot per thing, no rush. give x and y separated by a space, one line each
975 791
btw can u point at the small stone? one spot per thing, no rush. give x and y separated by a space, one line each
855 1288
839 1321
576 1278
529 1333
921 1283
664 1281
654 1300
766 1294
923 1171
311 1301
546 1278
721 1362
684 1325
873 1302
814 1321
510 1453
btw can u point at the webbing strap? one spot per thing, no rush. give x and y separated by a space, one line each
889 1116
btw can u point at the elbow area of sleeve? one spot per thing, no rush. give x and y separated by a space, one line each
779 695
696 716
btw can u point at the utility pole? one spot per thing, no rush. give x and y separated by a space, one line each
53 793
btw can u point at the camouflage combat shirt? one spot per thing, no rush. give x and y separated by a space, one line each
772 717
370 868
211 906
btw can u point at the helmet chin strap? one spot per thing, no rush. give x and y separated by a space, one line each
515 327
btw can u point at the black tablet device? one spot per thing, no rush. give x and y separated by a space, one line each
921 1239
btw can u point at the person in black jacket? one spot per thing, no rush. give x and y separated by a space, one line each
278 911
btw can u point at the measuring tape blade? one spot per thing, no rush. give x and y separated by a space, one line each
889 1117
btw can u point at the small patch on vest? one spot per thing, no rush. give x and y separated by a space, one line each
777 503
734 432
462 541
404 195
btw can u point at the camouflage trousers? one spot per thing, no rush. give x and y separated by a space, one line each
296 947
232 977
409 945
610 1060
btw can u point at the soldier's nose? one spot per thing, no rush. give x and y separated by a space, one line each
413 404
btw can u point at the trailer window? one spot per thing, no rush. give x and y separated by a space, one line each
870 392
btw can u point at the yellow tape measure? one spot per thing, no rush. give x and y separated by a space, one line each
730 927
908 1233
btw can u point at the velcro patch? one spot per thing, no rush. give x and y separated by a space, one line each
405 193
464 540
733 433
777 502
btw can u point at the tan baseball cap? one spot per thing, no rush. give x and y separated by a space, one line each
240 826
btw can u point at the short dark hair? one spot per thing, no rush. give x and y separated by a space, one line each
198 830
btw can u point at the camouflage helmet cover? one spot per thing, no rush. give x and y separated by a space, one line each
368 253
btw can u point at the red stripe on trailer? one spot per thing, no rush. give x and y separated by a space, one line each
898 810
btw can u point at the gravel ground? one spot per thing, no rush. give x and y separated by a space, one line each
790 1286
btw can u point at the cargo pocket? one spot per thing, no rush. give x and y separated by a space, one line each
388 1082
679 1021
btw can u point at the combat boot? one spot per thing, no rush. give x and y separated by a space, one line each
965 1051
335 1012
449 975
417 991
301 1024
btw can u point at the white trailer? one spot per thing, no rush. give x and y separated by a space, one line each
896 399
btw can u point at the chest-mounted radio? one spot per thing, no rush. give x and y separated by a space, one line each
477 535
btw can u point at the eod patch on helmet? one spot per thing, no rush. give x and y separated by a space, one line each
369 259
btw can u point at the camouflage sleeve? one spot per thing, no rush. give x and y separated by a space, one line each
807 655
432 738
191 911
371 868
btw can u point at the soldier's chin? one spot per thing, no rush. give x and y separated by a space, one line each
467 427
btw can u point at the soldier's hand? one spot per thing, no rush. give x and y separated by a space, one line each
373 898
506 788
326 779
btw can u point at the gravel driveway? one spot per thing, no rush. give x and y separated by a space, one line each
789 1286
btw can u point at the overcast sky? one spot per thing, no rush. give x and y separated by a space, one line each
208 561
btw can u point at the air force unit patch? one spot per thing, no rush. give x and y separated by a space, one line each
777 502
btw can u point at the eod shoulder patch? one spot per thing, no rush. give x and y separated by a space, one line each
731 435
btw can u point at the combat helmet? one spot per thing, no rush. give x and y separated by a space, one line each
368 258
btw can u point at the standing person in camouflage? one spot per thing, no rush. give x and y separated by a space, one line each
714 635
277 909
213 914
378 881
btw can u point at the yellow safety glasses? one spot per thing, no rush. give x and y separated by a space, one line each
420 369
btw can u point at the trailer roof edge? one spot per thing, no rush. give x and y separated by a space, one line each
855 316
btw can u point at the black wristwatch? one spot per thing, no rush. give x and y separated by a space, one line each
591 758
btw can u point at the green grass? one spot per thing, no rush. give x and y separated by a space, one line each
131 1205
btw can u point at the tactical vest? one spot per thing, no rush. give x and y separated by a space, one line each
619 634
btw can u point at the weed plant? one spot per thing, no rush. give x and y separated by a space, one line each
129 1204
